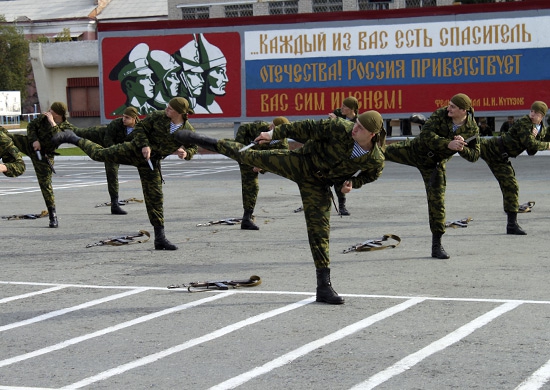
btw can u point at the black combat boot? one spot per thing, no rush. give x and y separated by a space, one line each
190 137
437 249
53 217
161 243
512 227
342 210
325 292
65 137
247 223
115 207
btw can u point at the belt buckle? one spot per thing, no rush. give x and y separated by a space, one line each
504 155
431 154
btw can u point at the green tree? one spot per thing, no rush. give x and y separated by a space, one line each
14 58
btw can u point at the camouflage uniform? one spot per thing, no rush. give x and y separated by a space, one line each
40 129
496 151
338 187
113 133
10 155
153 131
323 160
429 153
249 179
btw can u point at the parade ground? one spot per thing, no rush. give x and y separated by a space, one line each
77 315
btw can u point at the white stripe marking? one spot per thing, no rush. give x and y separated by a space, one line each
139 320
537 379
22 296
191 343
56 313
444 342
293 355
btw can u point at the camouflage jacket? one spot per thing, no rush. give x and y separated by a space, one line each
248 132
520 138
117 133
40 129
154 131
10 155
437 132
328 145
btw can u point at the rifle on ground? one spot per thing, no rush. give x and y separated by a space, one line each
460 223
226 221
26 216
374 245
120 202
254 280
123 240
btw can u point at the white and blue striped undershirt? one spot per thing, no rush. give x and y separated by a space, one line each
357 151
174 127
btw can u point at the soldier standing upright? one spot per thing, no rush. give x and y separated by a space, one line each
527 133
334 151
38 146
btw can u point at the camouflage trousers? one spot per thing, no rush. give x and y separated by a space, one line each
41 167
151 180
504 172
316 194
111 169
250 186
435 182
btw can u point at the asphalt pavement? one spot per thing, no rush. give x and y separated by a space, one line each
102 317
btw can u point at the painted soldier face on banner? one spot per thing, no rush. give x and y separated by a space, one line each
157 69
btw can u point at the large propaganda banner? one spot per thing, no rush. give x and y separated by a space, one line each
303 65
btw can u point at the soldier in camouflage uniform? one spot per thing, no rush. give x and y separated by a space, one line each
440 138
528 133
152 142
333 151
249 175
38 139
348 111
12 161
116 132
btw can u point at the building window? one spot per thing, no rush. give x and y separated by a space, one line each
420 3
283 7
327 6
238 10
367 5
192 13
83 96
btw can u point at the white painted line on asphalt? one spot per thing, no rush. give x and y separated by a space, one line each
188 344
444 342
61 312
31 294
110 329
537 379
299 352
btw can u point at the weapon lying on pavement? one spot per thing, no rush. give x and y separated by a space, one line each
299 209
374 245
121 202
124 240
254 280
459 223
226 221
526 207
26 216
